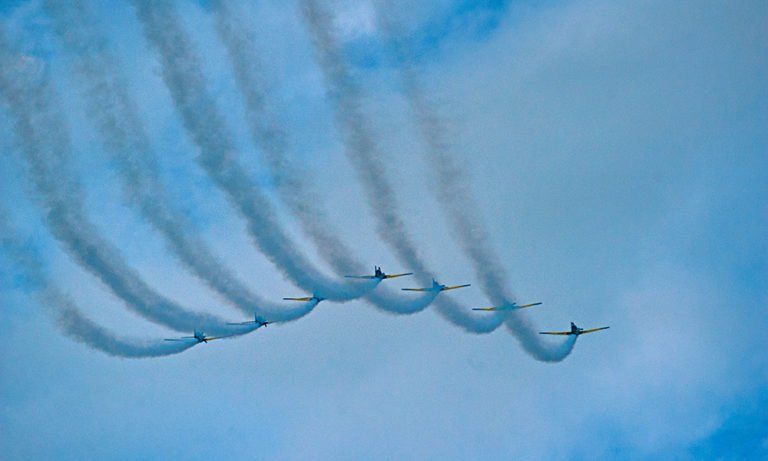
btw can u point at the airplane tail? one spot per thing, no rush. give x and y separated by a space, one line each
261 321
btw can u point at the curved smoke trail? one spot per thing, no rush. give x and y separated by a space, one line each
293 186
43 140
82 329
459 208
123 134
205 124
289 177
68 317
362 151
79 327
358 138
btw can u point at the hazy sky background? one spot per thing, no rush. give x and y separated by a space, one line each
619 154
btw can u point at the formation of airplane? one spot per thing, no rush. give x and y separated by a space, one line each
199 336
574 331
378 274
437 287
506 307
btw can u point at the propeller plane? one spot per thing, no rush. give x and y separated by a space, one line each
315 298
256 320
199 336
378 274
437 287
574 331
506 307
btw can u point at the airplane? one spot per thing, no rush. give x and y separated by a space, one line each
199 336
307 298
574 331
506 307
378 274
256 319
436 287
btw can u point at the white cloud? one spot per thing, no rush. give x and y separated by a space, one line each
355 19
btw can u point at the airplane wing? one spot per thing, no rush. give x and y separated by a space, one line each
183 339
392 276
366 277
505 308
523 306
416 289
306 298
594 329
214 337
455 287
560 333
241 323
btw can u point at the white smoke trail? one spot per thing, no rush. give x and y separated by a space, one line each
290 177
360 145
115 116
457 203
68 317
453 190
205 124
362 149
43 141
294 185
79 327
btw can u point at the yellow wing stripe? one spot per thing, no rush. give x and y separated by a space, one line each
528 305
455 287
392 276
505 308
308 298
559 333
594 329
414 289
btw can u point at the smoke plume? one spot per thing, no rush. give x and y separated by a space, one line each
43 141
117 122
205 124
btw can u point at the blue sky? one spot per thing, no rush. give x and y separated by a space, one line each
618 155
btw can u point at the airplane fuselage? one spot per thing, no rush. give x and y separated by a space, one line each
200 337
